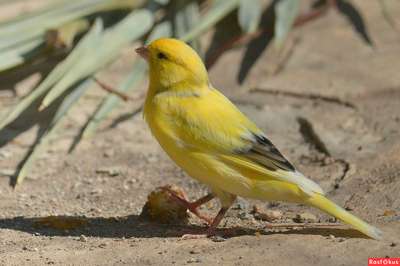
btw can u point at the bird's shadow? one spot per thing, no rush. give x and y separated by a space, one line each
136 226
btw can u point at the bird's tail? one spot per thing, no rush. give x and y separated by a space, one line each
324 204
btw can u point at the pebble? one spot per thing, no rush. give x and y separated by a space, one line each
217 239
194 260
102 245
266 215
331 237
393 244
82 238
305 217
108 171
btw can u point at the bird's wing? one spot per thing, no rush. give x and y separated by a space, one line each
211 123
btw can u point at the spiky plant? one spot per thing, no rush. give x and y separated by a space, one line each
90 35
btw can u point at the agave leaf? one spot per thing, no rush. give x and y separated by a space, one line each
19 54
187 16
162 2
112 101
286 12
64 35
36 26
102 51
43 141
219 10
58 72
24 16
249 15
163 29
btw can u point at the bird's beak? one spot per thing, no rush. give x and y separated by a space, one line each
143 52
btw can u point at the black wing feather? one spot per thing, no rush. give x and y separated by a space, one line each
265 153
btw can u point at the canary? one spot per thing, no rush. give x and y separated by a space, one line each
213 142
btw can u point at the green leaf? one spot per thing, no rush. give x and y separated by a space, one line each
138 72
218 11
164 29
162 2
286 12
20 54
36 26
102 51
59 71
249 15
43 142
186 17
109 103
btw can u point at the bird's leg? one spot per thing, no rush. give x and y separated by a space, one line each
217 220
226 204
193 206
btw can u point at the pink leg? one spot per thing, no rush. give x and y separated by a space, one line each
217 220
193 206
213 226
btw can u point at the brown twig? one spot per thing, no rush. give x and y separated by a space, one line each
116 92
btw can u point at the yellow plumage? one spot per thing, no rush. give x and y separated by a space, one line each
209 138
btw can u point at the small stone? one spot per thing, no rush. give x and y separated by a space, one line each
266 215
331 237
305 217
102 245
217 239
82 238
108 171
96 191
393 244
109 153
193 252
194 260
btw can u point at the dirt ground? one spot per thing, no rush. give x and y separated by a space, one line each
334 110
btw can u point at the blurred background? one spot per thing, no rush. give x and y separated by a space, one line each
320 77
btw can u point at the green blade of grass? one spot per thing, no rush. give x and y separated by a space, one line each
55 75
286 12
249 15
102 52
52 129
219 10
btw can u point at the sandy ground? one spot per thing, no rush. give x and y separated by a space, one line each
334 110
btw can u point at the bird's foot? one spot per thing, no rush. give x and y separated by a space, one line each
191 206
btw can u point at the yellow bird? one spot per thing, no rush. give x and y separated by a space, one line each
209 138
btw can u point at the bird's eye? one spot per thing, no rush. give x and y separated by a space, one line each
161 56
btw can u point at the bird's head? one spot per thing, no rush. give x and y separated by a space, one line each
173 65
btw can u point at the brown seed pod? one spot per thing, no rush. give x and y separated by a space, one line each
161 207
